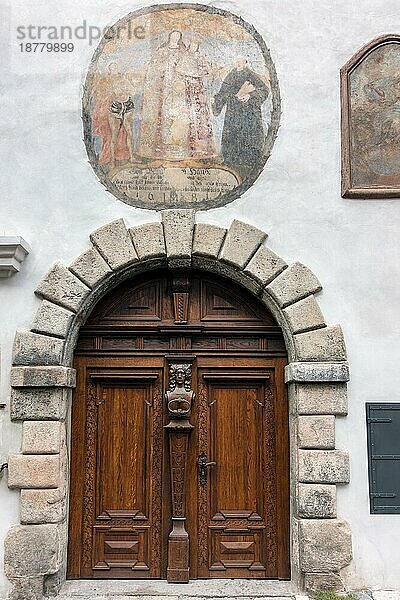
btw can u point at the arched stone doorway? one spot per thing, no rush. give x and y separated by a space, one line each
195 487
42 380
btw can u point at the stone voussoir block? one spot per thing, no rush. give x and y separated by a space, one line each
36 349
323 466
304 315
208 239
41 437
42 506
326 344
52 319
325 545
148 240
209 265
33 471
178 227
316 431
114 243
31 550
39 403
241 242
293 284
264 266
90 267
62 287
321 398
49 376
313 372
316 501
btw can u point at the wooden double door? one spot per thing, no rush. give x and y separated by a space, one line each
179 460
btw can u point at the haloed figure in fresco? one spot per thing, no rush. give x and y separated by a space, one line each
113 117
175 120
243 137
195 70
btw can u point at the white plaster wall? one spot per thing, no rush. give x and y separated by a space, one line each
51 197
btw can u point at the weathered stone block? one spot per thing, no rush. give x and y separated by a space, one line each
241 242
207 239
39 403
316 372
26 588
322 582
52 320
41 437
62 287
90 267
317 431
293 284
178 232
43 377
321 398
35 349
320 345
316 501
33 471
42 506
325 545
324 466
148 240
31 550
304 315
114 244
265 265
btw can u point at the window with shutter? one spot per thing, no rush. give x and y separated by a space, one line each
383 429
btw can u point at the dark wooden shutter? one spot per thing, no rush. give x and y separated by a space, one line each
383 428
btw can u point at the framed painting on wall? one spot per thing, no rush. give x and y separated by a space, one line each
370 101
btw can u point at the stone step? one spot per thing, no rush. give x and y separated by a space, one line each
227 589
163 597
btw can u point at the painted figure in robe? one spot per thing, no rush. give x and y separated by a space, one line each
113 116
175 120
243 137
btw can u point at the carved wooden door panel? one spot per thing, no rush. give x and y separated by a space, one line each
115 519
179 461
242 531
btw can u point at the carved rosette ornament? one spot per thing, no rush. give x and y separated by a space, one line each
179 399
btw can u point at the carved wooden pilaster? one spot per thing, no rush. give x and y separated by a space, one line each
180 292
179 400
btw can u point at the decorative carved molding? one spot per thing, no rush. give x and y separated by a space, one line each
12 254
157 474
180 292
179 398
202 512
90 473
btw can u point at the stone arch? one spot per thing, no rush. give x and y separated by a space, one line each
42 380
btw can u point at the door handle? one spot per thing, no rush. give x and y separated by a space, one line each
202 466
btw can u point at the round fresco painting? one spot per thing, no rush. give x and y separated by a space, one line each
181 107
